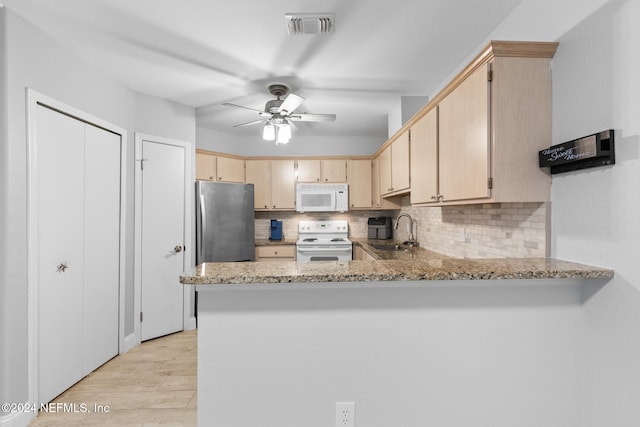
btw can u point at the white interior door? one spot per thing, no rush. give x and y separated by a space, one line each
60 168
162 238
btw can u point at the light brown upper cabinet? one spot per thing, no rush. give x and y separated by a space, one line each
394 166
464 139
205 166
488 125
210 167
424 159
325 170
359 180
274 183
376 194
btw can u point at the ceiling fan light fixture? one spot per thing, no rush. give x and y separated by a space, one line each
284 133
310 23
269 132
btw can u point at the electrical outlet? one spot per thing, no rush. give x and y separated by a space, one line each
345 414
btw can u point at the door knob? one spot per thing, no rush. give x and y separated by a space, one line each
177 249
62 267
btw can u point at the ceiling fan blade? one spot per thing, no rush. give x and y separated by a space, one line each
262 113
255 122
290 103
304 117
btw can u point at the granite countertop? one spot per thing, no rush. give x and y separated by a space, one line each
413 264
390 270
267 242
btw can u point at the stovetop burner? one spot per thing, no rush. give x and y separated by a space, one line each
330 233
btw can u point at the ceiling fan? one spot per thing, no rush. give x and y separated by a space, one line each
279 114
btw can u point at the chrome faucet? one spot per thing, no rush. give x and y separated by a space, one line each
411 241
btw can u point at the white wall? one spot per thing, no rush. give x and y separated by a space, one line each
491 354
36 61
299 145
4 320
405 108
596 213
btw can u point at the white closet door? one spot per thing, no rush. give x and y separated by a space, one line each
101 245
60 154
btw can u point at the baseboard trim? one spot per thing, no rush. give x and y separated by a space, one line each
130 341
191 324
17 419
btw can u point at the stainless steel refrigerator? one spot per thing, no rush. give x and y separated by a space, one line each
225 228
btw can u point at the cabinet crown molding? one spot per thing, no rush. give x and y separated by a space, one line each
494 49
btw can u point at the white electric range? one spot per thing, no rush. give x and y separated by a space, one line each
323 241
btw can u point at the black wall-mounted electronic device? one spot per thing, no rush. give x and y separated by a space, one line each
582 153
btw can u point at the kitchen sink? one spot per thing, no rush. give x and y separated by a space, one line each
389 247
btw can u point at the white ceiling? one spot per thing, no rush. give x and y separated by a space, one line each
206 52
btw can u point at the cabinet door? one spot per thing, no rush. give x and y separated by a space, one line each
334 171
359 180
376 200
230 169
385 171
283 184
308 170
424 159
258 173
400 179
205 166
464 139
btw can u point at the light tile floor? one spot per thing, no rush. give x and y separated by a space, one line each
154 384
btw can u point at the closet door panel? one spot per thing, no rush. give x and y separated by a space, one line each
60 159
101 246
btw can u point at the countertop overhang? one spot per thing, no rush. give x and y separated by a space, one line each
419 270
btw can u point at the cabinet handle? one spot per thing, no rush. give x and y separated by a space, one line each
275 252
265 206
326 179
434 198
219 178
318 179
62 267
211 178
177 249
274 206
440 197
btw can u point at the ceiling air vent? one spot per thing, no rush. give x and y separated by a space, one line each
310 23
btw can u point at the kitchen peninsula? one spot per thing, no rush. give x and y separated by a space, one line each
411 342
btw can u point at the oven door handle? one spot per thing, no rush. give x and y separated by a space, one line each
301 249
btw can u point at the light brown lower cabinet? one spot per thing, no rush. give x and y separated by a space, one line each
361 254
276 253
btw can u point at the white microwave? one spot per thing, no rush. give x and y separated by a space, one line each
322 197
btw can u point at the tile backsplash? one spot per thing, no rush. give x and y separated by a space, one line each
357 222
500 230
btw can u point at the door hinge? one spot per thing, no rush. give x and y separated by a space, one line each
141 316
142 163
490 183
490 75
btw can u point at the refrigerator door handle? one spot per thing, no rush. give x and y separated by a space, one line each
201 221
